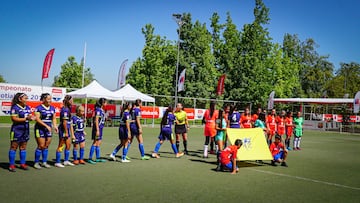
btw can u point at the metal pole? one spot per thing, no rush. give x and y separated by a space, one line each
83 67
177 68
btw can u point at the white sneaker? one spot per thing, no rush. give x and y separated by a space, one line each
68 163
59 165
37 166
125 161
155 155
46 165
112 157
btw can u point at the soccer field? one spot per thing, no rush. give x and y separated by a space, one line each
327 169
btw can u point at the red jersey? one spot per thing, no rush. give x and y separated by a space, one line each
289 126
254 117
281 126
271 122
228 154
276 147
210 129
245 121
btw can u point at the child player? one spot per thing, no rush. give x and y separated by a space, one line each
228 156
280 121
298 122
278 152
271 125
45 122
166 133
97 130
78 138
245 120
289 129
20 130
65 131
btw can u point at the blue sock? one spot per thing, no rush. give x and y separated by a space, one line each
23 156
116 150
37 155
45 155
125 151
128 147
74 154
66 154
12 154
141 148
58 157
97 151
157 147
92 149
82 151
173 146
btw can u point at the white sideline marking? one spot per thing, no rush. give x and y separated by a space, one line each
307 179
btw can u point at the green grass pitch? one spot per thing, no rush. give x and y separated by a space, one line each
327 169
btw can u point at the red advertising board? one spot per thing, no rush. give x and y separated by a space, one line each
190 113
150 112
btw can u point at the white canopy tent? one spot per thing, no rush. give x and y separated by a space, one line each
129 93
94 90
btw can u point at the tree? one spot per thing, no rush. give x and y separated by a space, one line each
154 72
197 58
346 81
2 79
71 75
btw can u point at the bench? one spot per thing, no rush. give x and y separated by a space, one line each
115 120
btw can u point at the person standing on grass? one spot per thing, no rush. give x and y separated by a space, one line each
209 118
271 126
220 134
289 129
245 119
226 114
280 122
124 133
234 117
166 133
45 122
298 122
78 136
65 131
228 156
97 130
136 128
181 127
20 130
278 152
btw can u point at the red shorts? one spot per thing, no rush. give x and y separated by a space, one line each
209 131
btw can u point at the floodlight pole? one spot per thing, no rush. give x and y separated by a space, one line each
179 22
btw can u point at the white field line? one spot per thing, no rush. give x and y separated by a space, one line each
307 179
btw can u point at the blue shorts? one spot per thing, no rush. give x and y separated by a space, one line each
79 137
42 132
166 134
220 135
123 133
93 135
279 155
62 133
230 166
134 130
19 135
234 125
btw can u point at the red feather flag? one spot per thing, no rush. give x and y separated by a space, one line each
47 64
221 85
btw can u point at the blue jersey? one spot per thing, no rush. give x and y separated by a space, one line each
20 128
46 115
234 120
169 121
65 116
77 124
136 113
99 112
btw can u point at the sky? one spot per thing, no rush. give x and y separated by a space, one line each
111 30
